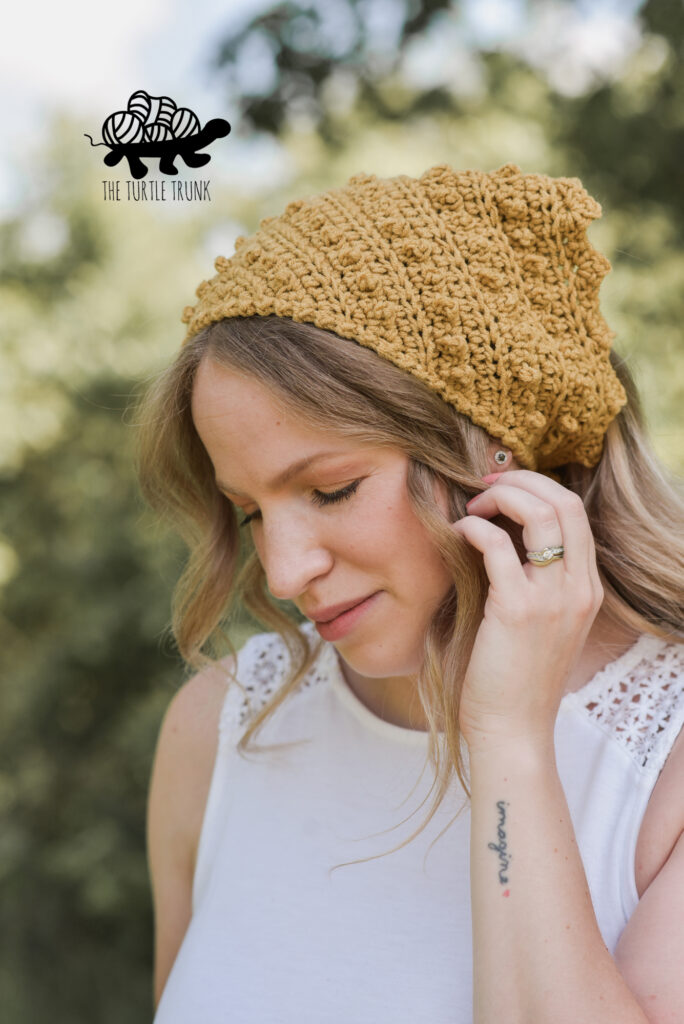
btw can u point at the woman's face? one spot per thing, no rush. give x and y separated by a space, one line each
318 555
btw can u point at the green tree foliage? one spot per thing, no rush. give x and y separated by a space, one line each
85 573
316 46
629 134
86 682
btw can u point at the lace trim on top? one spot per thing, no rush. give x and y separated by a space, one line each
263 665
638 699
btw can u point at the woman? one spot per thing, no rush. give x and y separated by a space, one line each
364 365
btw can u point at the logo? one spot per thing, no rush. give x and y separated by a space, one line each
153 126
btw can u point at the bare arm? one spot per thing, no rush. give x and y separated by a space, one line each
179 786
538 953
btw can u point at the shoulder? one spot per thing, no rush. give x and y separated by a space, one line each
205 707
183 763
660 744
667 716
662 693
181 774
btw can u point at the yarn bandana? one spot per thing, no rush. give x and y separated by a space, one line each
482 285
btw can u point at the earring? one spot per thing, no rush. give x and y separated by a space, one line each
500 457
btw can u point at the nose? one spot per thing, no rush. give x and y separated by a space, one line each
292 553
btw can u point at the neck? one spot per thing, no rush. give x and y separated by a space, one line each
395 699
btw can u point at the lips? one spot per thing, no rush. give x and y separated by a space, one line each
333 610
343 624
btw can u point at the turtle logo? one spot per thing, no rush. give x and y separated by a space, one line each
153 126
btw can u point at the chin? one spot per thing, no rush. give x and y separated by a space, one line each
377 662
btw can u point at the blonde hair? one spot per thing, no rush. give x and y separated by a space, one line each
633 503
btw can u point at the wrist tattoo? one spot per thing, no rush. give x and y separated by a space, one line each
501 848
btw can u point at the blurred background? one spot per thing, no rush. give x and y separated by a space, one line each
91 293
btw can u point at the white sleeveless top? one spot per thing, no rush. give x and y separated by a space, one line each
277 937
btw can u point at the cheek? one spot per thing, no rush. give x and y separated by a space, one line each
392 532
418 551
386 521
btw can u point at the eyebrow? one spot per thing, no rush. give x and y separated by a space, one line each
292 471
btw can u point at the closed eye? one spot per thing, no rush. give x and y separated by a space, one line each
318 497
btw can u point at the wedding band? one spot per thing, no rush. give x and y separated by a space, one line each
546 556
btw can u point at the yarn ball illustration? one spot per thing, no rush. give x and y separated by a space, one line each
140 104
158 132
122 127
166 110
184 122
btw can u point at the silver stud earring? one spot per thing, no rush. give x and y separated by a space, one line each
500 457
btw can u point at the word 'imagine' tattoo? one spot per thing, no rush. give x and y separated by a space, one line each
504 857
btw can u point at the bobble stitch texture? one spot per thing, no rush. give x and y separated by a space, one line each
482 285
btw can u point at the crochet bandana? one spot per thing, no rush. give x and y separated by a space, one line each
482 285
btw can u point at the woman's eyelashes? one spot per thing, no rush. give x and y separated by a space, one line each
319 497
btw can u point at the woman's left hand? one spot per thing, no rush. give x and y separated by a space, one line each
536 618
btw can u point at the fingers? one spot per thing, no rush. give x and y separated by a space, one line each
549 513
501 561
537 517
